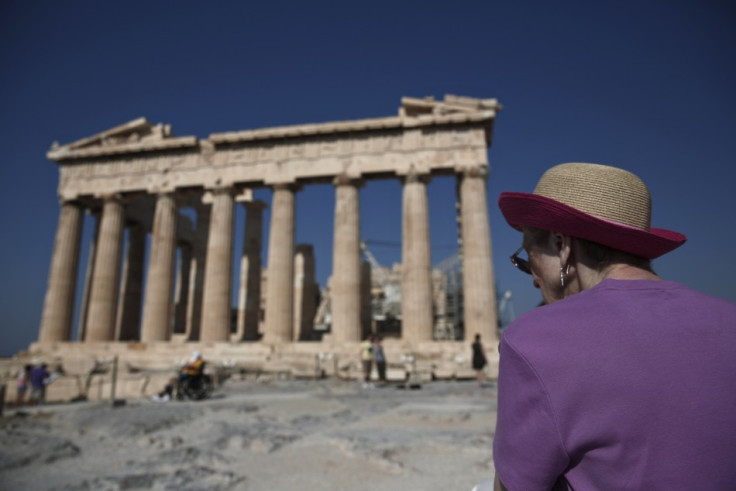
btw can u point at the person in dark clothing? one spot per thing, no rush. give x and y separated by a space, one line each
479 359
380 359
37 378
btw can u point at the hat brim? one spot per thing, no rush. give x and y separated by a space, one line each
532 210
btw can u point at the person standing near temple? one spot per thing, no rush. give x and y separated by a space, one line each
37 378
366 358
380 358
479 360
23 381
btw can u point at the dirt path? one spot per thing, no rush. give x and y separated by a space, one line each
280 435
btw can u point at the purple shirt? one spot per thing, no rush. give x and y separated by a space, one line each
627 385
37 376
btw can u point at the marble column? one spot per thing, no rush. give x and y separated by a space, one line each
106 274
416 278
218 272
159 281
249 296
346 263
279 286
58 305
196 272
481 316
305 293
366 311
84 308
129 311
181 293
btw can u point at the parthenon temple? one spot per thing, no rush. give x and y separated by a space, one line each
135 181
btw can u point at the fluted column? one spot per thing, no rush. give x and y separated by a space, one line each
181 293
58 305
249 296
481 316
160 278
416 279
196 272
279 287
305 293
106 273
218 272
90 269
366 311
346 263
129 311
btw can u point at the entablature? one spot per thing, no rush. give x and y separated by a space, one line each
429 136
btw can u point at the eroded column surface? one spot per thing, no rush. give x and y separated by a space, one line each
416 278
249 296
159 282
92 254
481 316
366 312
279 289
129 312
346 263
305 293
58 305
218 271
106 274
181 293
197 269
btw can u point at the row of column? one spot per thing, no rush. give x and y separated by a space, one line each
210 300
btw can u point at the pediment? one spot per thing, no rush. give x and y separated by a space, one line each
451 104
138 130
138 135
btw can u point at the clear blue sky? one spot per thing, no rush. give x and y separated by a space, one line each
648 86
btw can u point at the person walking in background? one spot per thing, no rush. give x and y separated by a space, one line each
366 358
594 390
380 358
23 381
479 360
37 378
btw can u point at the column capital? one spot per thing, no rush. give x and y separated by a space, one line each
475 171
162 192
161 188
210 193
243 195
415 176
107 197
290 186
347 180
70 201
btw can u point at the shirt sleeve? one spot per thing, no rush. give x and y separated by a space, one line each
527 449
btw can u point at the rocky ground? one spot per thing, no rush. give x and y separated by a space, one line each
259 435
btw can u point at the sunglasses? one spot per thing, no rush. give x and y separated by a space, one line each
520 263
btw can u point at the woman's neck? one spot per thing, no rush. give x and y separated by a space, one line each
588 278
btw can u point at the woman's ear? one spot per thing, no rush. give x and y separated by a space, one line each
562 246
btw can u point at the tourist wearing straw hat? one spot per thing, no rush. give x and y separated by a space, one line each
622 380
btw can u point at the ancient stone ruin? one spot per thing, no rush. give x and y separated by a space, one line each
137 178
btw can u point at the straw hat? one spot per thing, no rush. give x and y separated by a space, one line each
599 203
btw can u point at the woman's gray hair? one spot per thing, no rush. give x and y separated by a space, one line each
597 255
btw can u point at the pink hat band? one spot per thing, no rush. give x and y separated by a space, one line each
599 203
